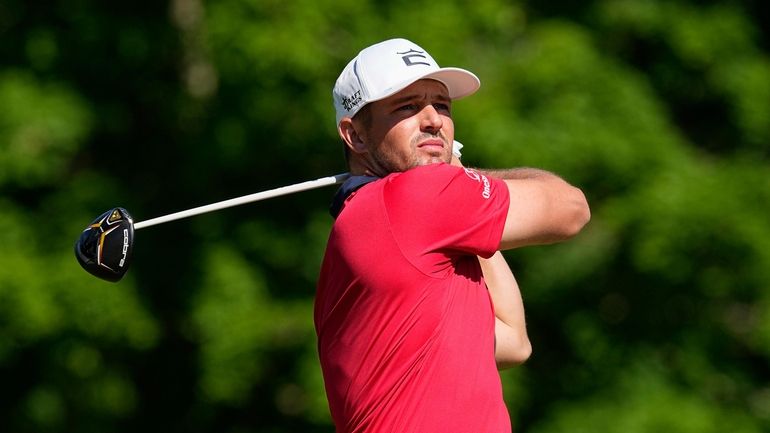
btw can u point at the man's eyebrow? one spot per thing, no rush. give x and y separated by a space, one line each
443 98
421 96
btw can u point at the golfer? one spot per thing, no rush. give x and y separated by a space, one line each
416 309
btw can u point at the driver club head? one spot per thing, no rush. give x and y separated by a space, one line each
104 248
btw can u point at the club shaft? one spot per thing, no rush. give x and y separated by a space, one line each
284 190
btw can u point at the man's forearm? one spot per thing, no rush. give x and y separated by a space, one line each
544 207
512 344
518 173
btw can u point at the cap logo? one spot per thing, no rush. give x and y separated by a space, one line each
413 54
351 101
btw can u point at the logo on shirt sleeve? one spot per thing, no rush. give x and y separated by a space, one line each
478 177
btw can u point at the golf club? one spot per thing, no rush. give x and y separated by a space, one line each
104 249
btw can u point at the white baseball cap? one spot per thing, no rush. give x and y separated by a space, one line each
388 67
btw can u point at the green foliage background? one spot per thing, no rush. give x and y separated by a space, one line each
655 319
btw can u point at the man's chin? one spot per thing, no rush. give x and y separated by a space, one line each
434 158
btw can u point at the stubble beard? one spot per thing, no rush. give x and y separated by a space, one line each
391 162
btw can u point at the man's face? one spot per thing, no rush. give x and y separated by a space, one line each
411 128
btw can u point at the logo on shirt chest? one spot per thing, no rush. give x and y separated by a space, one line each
486 193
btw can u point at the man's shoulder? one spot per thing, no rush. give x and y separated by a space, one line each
429 173
433 176
445 182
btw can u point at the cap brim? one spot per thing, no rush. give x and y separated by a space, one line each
459 82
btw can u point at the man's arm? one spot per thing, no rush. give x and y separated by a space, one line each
512 345
543 208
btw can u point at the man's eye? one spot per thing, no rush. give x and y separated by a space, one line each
441 107
407 107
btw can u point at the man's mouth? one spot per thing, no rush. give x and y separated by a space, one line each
432 144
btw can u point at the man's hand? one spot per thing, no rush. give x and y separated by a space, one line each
456 154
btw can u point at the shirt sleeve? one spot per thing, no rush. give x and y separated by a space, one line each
443 210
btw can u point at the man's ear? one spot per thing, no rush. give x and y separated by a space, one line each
351 137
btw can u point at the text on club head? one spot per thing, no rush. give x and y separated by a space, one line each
125 248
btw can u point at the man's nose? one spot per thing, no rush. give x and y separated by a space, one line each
430 120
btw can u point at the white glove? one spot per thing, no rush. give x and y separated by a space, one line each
456 146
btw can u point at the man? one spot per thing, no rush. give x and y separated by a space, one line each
409 336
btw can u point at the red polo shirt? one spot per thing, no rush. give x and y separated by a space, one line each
404 320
